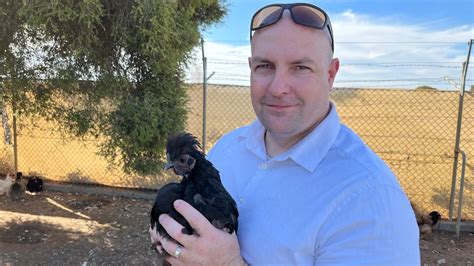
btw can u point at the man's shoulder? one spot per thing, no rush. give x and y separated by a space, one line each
351 144
352 149
232 137
227 141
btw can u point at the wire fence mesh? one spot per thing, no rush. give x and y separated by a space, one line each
412 130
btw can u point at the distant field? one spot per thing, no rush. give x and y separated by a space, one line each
413 131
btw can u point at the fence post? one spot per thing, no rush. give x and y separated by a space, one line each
205 78
15 142
458 131
204 97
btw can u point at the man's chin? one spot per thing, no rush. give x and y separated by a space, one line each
280 127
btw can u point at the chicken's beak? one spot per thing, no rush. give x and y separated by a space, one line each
168 165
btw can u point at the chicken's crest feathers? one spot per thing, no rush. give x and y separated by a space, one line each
182 143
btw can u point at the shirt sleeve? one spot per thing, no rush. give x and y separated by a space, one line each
374 227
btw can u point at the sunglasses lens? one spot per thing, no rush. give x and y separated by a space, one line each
266 17
303 14
308 16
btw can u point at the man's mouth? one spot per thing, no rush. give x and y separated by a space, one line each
279 107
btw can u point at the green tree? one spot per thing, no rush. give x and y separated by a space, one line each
110 68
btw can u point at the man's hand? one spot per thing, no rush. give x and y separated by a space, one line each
207 246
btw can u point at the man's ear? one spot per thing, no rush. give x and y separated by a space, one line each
333 69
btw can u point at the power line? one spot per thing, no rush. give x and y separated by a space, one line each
359 42
362 62
430 80
410 62
402 65
397 42
390 80
367 64
225 75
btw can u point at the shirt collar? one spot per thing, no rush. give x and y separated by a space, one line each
308 152
253 137
312 149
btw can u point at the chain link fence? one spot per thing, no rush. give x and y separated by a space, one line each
54 156
412 130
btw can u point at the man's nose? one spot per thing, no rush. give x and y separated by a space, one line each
280 83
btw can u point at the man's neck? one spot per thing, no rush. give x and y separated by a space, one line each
276 144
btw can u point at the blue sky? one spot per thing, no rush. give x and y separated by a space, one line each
388 44
441 13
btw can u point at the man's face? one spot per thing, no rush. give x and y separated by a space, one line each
291 77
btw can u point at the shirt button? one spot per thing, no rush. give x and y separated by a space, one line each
263 166
241 200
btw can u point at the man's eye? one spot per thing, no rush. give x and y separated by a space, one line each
302 68
263 66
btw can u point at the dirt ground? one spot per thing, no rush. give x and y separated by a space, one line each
77 229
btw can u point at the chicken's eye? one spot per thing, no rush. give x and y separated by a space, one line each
190 161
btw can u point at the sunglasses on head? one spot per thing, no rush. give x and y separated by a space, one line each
304 14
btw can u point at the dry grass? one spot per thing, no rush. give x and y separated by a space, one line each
413 131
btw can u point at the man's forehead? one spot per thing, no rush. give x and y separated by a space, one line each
296 60
286 25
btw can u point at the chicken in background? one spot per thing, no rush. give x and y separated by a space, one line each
34 185
6 184
17 189
426 221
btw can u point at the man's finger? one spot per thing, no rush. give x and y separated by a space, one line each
172 260
197 221
171 247
175 230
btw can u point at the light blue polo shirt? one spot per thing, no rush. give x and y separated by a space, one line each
329 200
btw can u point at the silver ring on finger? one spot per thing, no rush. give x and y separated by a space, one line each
178 250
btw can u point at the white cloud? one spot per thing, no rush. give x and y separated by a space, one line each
420 54
229 62
370 48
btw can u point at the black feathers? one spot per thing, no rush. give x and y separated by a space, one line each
201 187
435 217
35 184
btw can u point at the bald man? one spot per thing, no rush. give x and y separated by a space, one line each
309 191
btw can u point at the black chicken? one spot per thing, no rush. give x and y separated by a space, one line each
201 187
35 184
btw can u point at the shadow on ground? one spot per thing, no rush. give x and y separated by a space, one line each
73 229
